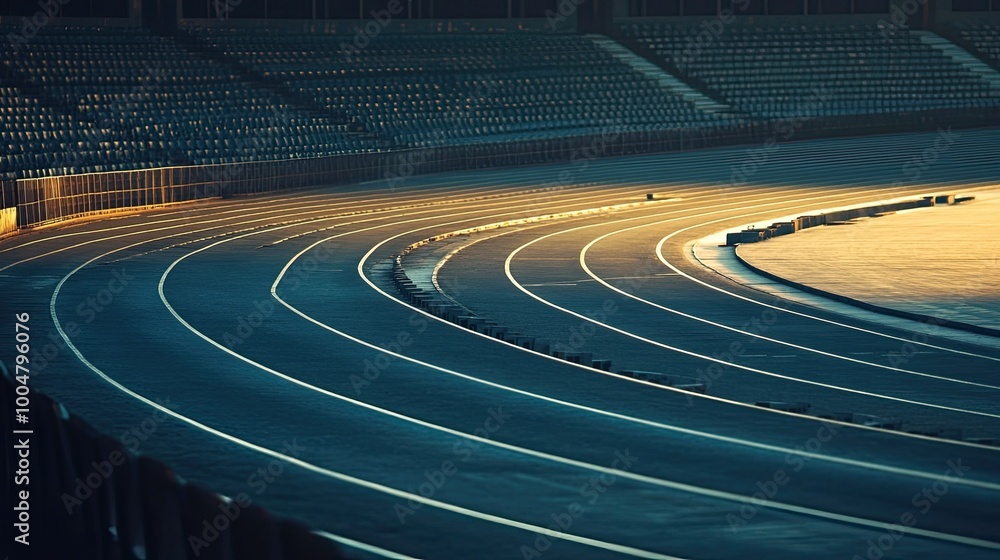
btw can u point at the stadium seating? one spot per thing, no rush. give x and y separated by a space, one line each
431 89
985 39
116 99
95 99
798 70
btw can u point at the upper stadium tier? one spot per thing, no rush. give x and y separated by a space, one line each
982 40
79 100
96 99
821 70
416 90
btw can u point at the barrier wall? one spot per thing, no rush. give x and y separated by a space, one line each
90 498
47 200
8 207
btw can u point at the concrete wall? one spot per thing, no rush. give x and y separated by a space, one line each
862 19
397 25
943 14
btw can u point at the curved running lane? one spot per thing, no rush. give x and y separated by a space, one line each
267 330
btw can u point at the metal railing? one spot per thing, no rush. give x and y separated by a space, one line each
32 202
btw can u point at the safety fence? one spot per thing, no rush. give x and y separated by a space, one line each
86 496
8 206
33 202
45 200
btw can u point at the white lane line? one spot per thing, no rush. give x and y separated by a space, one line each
641 168
582 259
365 207
893 433
680 350
582 540
279 203
538 454
342 477
194 423
586 268
309 466
499 187
677 271
424 208
56 293
668 264
717 494
358 545
727 439
588 280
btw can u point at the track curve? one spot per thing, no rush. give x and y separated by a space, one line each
268 330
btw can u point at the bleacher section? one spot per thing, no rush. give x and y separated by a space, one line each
433 89
109 100
35 138
798 70
87 99
985 40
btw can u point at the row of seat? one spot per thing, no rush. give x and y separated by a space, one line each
161 98
134 89
763 71
488 84
985 39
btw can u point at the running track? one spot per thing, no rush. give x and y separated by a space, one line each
253 323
